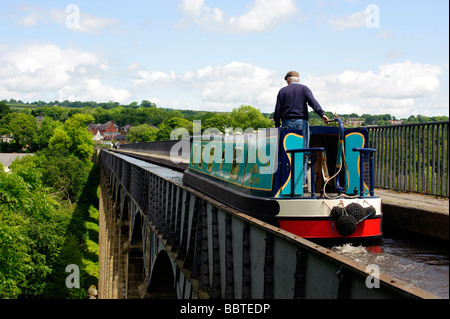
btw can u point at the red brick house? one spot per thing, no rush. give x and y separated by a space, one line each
108 130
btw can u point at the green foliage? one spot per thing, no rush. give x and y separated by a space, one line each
218 121
170 124
15 193
70 254
60 140
80 140
71 136
14 256
247 116
30 212
45 133
63 173
41 232
148 113
40 236
52 112
142 133
4 110
22 127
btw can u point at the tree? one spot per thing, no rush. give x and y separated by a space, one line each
170 124
218 121
142 133
28 236
4 110
133 105
74 137
247 116
64 173
14 257
412 119
369 119
23 127
45 133
60 140
146 103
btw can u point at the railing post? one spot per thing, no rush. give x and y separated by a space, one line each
363 153
305 151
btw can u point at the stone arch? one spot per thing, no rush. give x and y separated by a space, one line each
136 230
162 283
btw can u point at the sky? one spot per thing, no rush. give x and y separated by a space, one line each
356 56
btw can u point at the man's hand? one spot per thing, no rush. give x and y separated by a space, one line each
325 119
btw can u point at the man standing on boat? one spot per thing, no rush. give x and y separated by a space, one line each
292 109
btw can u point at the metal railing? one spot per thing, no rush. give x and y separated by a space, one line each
412 157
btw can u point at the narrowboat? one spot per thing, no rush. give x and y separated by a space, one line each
261 175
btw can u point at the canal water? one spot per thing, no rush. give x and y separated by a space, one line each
420 261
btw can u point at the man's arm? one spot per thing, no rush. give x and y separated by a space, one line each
276 114
315 105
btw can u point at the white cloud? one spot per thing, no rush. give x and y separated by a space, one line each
369 18
221 87
153 79
263 15
46 71
356 20
93 90
42 67
399 89
239 83
84 22
386 34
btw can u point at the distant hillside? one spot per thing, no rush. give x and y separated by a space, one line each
147 112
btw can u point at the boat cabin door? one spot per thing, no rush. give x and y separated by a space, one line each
291 163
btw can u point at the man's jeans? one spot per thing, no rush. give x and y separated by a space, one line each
300 124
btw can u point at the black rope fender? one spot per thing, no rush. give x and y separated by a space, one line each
347 218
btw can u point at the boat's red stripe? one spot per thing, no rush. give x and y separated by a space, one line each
323 229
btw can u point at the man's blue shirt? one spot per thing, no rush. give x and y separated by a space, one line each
293 101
